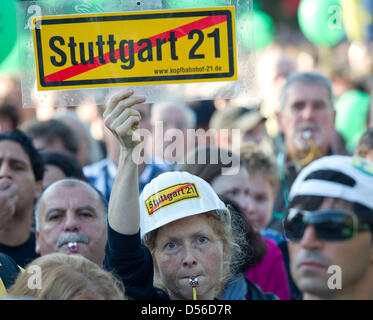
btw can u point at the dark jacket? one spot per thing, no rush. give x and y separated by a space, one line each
22 254
241 288
9 271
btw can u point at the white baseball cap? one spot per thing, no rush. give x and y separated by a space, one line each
176 195
343 177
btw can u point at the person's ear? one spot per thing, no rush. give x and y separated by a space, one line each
37 246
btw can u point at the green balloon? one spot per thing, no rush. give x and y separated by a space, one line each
321 21
352 109
8 29
263 30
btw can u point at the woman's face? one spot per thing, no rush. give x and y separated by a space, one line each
253 194
189 248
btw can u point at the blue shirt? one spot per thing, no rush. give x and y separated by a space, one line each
101 174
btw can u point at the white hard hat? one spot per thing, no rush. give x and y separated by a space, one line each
176 195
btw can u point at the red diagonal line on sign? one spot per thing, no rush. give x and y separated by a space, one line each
157 205
181 31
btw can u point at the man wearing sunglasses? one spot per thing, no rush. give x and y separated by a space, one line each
329 225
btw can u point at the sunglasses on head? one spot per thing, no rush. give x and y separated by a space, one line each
329 225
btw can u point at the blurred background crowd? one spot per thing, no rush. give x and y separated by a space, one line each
333 37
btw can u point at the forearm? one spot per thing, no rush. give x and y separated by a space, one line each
124 211
123 121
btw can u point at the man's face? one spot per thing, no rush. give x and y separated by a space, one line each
307 109
65 210
15 165
144 110
311 257
172 118
174 126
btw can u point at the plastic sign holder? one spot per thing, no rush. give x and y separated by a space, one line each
73 52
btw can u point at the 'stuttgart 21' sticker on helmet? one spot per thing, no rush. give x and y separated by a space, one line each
362 165
170 195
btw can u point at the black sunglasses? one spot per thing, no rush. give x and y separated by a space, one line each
329 225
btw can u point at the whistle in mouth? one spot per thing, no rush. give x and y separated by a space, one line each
307 134
193 282
73 247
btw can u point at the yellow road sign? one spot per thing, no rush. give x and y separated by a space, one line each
135 48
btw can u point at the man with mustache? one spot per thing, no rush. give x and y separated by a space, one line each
71 218
330 225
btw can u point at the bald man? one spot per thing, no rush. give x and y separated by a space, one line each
70 218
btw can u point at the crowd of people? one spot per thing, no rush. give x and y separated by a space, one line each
263 201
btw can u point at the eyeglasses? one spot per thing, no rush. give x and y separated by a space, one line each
329 225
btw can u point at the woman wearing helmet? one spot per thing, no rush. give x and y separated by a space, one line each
182 222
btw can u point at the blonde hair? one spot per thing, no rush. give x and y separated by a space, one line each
68 277
224 231
365 144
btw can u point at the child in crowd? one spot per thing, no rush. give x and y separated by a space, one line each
263 185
